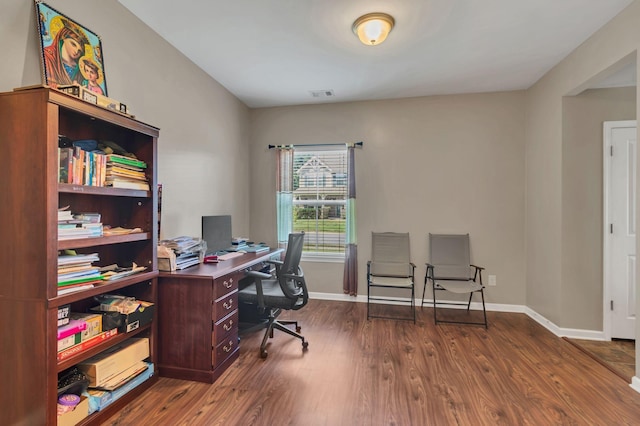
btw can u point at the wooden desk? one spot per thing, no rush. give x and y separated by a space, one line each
198 317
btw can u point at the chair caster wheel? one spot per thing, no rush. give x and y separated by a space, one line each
263 353
298 328
305 345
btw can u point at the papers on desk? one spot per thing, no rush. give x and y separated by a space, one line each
180 253
228 256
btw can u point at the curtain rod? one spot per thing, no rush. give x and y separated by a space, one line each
354 144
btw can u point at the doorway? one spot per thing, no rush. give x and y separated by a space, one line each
619 236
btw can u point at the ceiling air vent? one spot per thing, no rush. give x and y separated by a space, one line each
322 93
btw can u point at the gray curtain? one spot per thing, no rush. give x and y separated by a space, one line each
350 280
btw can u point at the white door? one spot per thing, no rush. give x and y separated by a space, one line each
620 228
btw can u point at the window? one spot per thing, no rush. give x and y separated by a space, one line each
318 200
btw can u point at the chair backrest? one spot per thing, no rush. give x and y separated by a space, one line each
449 254
290 275
390 254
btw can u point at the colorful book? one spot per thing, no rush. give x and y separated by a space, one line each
74 326
77 287
83 280
66 171
127 184
69 341
87 344
115 158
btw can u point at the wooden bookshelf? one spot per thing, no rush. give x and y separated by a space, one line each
30 122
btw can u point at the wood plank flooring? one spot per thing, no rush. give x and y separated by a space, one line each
390 372
617 355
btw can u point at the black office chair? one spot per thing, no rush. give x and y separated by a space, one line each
285 290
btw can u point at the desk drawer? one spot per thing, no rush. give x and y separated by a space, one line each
226 284
225 328
223 307
224 349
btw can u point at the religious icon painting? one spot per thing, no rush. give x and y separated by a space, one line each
70 53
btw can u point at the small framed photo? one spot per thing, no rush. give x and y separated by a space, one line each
71 53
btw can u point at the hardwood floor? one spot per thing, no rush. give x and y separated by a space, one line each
617 355
390 372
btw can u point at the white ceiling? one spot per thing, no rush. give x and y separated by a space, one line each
275 52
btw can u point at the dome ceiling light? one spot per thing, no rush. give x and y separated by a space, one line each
373 28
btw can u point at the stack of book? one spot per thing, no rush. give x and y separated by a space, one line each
237 244
81 167
79 225
242 245
76 272
126 172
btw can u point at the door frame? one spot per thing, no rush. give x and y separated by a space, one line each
606 244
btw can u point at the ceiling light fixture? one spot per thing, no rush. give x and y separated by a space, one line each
373 28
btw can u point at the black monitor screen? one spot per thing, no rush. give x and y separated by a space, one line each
216 231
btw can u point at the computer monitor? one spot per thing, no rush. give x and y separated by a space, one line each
216 231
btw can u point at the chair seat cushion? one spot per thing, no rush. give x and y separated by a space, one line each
273 295
459 286
391 281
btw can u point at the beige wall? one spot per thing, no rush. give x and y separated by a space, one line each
431 164
550 201
582 198
203 128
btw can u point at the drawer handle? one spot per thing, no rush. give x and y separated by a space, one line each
228 305
227 327
228 348
228 284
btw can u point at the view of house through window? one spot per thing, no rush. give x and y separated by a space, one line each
319 199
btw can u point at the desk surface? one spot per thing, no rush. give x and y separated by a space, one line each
223 267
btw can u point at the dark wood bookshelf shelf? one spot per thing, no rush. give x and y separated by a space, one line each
105 287
106 344
102 241
102 190
100 416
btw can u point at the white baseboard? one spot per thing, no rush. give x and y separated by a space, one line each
635 384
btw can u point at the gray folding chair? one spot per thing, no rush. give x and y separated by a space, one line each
390 267
450 269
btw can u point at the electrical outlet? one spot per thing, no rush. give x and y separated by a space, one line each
492 280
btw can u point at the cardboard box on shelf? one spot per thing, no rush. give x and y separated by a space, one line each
72 418
134 320
94 324
99 399
107 364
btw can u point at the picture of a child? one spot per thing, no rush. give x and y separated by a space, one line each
91 74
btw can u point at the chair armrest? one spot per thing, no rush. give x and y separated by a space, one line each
257 279
258 274
275 262
477 272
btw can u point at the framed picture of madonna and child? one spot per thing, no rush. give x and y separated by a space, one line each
70 53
